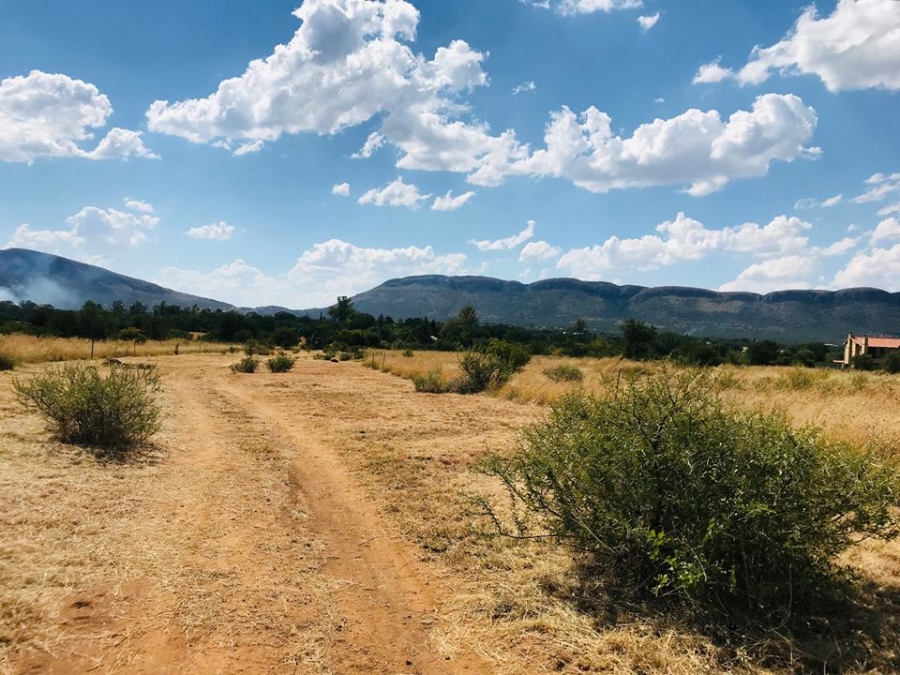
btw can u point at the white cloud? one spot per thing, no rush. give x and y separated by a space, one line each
507 243
696 147
572 7
712 73
539 250
648 21
811 203
372 144
138 205
777 274
856 47
878 268
450 203
687 239
50 115
397 193
887 229
881 186
888 210
839 247
92 233
347 64
220 231
659 100
319 275
248 148
526 86
341 189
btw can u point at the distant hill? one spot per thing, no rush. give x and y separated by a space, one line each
787 316
50 279
784 315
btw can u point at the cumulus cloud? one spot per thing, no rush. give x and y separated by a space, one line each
522 88
573 7
880 186
53 115
538 250
397 193
712 73
507 243
887 229
92 233
450 203
138 205
341 189
856 47
646 22
877 268
684 239
888 210
220 231
349 62
696 148
319 275
777 274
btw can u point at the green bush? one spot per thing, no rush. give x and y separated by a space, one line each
113 412
669 494
890 364
430 382
564 373
248 364
862 362
6 362
491 367
280 363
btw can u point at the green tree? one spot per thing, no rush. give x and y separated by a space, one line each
94 322
639 339
343 310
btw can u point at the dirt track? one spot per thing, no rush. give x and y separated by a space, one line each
259 550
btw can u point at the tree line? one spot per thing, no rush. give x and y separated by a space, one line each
343 327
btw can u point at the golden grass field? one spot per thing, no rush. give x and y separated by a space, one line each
30 349
318 521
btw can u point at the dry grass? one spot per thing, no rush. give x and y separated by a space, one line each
31 349
204 540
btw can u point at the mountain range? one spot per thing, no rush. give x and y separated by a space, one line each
788 316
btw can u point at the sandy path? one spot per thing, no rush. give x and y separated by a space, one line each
258 552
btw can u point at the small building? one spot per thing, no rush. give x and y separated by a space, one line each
876 347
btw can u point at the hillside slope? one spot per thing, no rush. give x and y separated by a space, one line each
782 315
50 279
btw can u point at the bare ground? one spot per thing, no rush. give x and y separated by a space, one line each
243 544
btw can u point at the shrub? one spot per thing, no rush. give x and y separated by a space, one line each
491 367
668 494
430 382
7 362
113 412
408 353
862 362
564 373
890 364
280 363
248 364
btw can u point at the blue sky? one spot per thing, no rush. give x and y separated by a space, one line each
289 152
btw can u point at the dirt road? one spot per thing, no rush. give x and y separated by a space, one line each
254 548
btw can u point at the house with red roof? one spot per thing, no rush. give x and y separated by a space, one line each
876 347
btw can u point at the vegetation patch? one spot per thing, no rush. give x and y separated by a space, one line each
112 412
666 494
6 362
280 363
248 364
564 373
